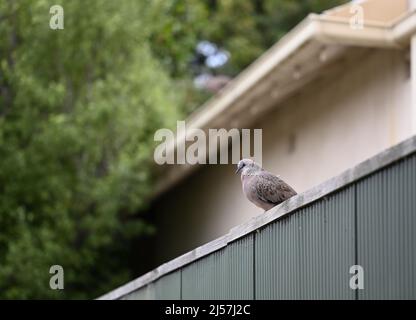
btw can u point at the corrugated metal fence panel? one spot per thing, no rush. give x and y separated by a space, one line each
144 293
327 247
169 287
308 254
241 268
276 260
224 274
386 214
206 278
166 288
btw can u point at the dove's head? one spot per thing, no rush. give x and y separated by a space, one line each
246 165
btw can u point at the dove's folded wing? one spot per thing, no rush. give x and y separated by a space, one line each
272 189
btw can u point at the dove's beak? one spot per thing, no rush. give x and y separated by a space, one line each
238 169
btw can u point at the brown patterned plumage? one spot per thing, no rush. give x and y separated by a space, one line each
261 187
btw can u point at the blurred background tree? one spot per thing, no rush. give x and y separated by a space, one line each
242 29
79 108
78 111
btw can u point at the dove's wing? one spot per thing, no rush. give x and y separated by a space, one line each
272 189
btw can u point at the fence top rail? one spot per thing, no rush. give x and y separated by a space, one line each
355 173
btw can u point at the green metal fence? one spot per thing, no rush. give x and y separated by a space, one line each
305 248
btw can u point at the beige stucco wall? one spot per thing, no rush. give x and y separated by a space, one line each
334 123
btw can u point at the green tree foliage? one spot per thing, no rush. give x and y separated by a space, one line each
245 29
78 111
248 28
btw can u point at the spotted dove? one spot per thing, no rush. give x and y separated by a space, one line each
262 188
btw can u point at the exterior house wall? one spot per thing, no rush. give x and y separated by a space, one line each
335 122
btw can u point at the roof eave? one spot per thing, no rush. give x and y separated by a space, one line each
318 28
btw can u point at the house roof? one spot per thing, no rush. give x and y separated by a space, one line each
294 61
376 12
